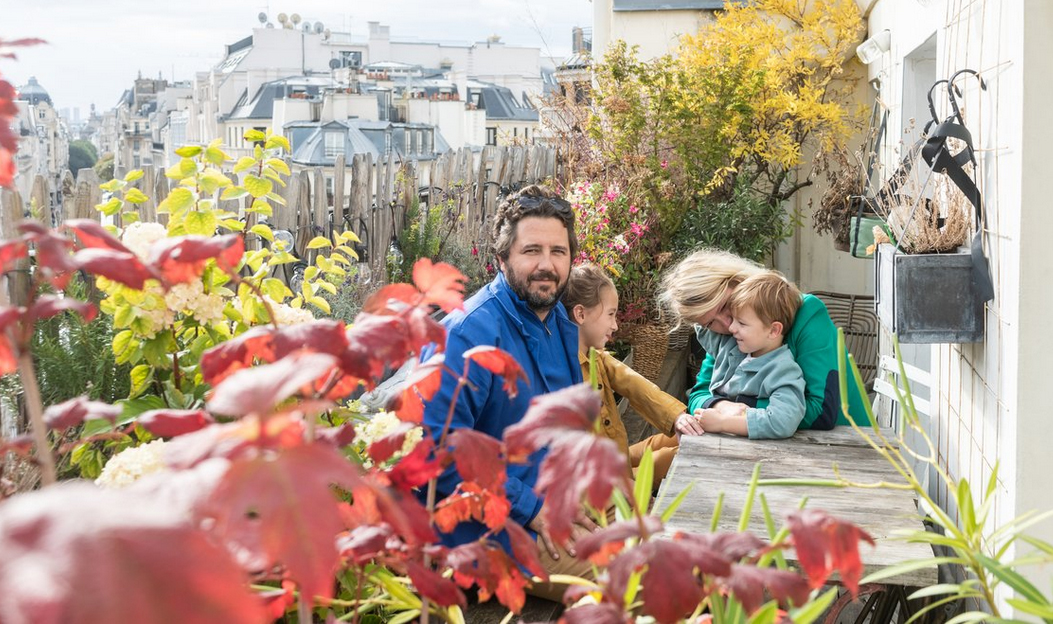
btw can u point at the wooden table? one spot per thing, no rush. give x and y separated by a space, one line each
718 463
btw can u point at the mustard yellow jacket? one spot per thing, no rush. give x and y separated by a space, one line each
657 407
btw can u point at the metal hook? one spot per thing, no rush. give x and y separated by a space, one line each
951 92
932 108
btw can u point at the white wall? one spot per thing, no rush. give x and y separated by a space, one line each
991 404
656 32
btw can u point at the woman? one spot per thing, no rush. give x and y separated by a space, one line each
697 291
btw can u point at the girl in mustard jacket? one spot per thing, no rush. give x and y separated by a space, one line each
592 302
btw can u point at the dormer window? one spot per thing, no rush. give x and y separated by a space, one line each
334 145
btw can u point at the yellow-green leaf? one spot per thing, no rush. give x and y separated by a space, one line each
311 273
329 287
319 242
123 316
321 304
111 207
263 231
278 165
113 185
233 192
257 186
140 376
347 236
133 175
278 140
253 135
177 201
216 156
199 222
189 151
122 346
276 198
231 224
130 217
244 164
135 196
275 289
212 180
261 207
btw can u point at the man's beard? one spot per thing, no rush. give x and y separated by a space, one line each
539 302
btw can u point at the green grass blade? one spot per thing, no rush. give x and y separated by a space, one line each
673 506
815 609
1011 578
908 566
621 505
717 510
751 494
644 482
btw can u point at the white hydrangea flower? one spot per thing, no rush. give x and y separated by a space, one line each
131 464
191 298
382 424
288 315
140 235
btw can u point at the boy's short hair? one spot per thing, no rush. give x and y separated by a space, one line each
771 296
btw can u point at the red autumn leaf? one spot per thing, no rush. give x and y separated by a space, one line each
77 410
365 542
748 582
495 573
258 390
408 406
605 613
549 417
423 330
244 439
93 235
478 458
47 306
524 549
381 450
52 251
825 544
72 553
323 336
579 465
441 283
120 266
169 423
10 251
378 302
427 376
434 587
285 505
19 445
671 589
471 502
7 160
337 436
375 343
499 363
182 259
600 541
416 468
239 352
729 546
8 358
277 601
376 503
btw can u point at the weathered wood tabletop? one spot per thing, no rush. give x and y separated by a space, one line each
718 463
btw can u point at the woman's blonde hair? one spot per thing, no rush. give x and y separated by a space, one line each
700 282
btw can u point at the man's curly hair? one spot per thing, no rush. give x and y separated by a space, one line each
538 201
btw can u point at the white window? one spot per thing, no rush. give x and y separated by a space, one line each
334 144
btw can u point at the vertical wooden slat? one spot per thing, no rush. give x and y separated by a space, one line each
339 168
11 214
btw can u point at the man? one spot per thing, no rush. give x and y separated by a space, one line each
520 313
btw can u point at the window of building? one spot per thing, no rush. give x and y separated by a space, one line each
491 136
526 134
334 144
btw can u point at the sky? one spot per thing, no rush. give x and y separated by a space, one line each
96 48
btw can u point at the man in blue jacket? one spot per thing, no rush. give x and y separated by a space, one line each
520 313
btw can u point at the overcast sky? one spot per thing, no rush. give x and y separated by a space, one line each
96 48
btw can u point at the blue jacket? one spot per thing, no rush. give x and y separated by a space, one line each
548 353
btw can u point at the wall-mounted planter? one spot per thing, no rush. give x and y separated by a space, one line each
928 298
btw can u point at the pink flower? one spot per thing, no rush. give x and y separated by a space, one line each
611 194
665 164
637 229
633 209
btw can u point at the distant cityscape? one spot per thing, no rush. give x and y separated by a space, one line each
330 93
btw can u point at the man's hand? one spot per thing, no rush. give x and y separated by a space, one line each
688 425
583 525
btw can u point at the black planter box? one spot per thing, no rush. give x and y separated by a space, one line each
928 298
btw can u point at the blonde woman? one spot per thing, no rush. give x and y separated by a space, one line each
698 291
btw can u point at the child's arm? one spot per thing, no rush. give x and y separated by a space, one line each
724 417
785 409
657 407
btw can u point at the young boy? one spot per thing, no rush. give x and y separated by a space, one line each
753 370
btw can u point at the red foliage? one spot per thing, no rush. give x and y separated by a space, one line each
500 363
434 587
380 301
599 546
825 544
748 583
381 450
260 389
73 553
281 509
486 565
441 284
605 613
182 259
549 417
478 458
416 468
168 423
471 502
8 109
10 251
46 306
524 548
671 589
8 349
75 411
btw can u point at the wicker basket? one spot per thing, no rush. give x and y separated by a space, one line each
680 337
650 344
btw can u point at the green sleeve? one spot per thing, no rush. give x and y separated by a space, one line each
700 393
814 347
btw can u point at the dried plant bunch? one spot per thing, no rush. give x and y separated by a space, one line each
926 211
845 174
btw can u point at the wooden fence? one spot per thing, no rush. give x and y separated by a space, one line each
375 206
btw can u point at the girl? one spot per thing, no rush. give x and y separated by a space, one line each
592 302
